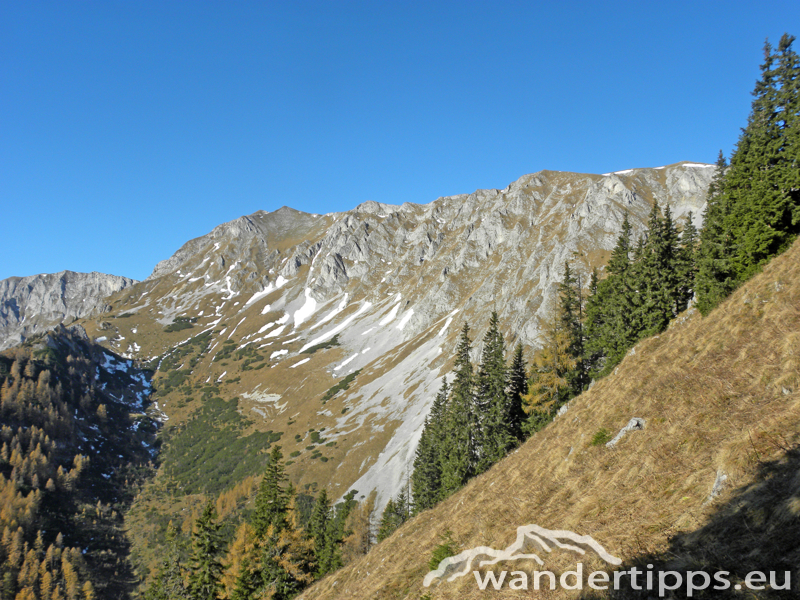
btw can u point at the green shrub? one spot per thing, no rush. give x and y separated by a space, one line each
602 436
446 549
180 323
342 385
209 454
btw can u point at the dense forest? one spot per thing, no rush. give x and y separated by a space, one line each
76 445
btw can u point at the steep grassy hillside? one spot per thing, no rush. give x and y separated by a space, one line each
721 400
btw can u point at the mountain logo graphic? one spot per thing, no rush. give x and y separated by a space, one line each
530 538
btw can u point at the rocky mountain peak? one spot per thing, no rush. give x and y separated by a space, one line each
31 305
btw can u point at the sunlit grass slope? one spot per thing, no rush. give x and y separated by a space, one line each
720 395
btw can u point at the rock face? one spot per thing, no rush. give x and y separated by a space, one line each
389 287
30 305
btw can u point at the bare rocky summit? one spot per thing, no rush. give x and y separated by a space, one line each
34 304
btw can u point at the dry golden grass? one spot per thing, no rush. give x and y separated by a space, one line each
717 393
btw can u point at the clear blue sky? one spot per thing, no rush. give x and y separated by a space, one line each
128 128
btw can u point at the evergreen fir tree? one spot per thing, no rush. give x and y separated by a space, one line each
247 581
763 180
459 453
427 477
287 558
492 402
686 264
517 388
388 521
614 311
656 283
715 277
394 515
319 530
206 569
594 324
754 211
571 311
271 500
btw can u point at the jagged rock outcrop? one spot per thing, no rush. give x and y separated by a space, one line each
30 305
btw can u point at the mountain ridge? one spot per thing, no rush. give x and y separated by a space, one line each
388 282
35 303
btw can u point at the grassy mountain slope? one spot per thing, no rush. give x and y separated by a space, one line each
719 395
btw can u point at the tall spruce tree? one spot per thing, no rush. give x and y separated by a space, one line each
764 177
656 279
594 324
620 315
459 448
319 531
272 498
517 388
686 264
206 567
169 582
571 300
396 513
492 401
715 277
755 213
287 558
427 478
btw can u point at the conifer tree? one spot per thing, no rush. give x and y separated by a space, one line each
206 569
686 264
517 388
287 558
319 532
389 521
459 455
755 213
715 277
594 353
168 583
548 387
271 500
427 477
394 515
762 185
241 578
613 311
571 311
656 283
491 399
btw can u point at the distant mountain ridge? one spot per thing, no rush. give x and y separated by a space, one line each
34 304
